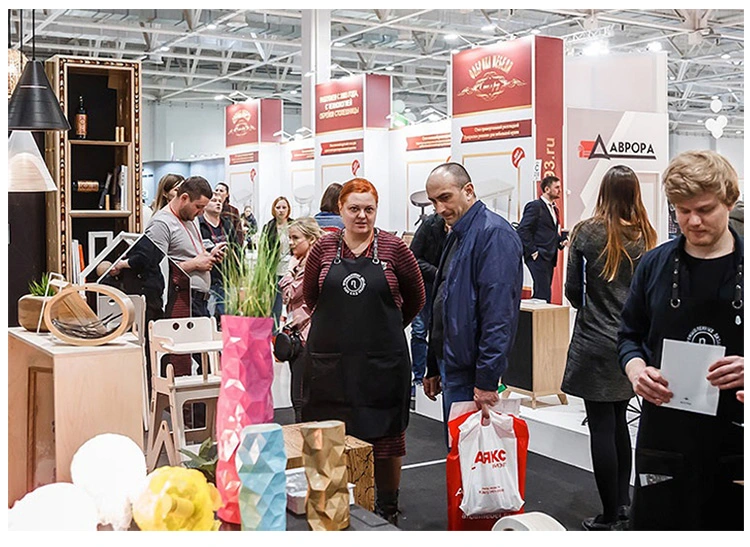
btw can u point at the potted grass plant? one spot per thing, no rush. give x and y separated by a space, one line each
30 305
246 360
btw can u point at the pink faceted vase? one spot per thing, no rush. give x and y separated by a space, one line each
244 398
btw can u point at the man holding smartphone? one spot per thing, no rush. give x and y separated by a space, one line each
217 232
175 231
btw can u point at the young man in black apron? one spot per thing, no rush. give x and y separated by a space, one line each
689 289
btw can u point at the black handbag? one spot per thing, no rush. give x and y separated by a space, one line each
288 344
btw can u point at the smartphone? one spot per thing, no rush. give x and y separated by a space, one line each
219 247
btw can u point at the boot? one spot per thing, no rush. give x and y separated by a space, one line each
386 506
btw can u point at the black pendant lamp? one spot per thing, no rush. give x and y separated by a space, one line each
33 105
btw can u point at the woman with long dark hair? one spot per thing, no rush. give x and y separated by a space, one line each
604 252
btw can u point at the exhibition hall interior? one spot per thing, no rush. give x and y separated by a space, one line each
375 269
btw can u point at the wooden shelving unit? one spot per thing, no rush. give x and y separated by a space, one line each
112 93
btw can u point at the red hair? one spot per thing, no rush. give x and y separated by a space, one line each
357 186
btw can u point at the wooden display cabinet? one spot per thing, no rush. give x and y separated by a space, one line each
111 90
536 363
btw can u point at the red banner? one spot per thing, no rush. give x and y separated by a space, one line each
242 123
342 147
302 154
492 77
496 131
426 142
244 157
271 113
549 74
338 105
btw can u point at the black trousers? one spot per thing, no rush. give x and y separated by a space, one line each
541 272
297 368
611 454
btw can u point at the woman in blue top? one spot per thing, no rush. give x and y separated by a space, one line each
329 218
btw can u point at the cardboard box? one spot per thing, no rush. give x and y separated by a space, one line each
359 462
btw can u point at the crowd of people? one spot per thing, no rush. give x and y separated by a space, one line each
348 290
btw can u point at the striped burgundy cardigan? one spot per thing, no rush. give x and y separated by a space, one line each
401 272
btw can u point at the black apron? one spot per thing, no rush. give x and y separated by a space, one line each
686 463
357 366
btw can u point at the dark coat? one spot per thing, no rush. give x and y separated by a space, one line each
427 245
539 232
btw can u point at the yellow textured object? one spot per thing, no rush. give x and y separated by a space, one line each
177 499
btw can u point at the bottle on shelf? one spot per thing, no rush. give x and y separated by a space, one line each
82 119
86 186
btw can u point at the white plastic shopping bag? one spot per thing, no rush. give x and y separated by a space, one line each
489 465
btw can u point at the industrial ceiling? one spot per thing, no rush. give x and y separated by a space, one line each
197 54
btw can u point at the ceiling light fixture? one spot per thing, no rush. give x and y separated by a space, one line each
219 97
33 106
488 28
455 51
339 44
654 46
451 37
535 31
714 97
726 56
293 92
390 68
211 26
164 48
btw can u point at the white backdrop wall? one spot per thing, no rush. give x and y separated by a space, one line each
196 129
601 84
730 147
408 172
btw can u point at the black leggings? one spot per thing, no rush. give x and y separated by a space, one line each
297 368
610 454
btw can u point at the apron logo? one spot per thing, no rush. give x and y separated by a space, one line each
704 335
354 284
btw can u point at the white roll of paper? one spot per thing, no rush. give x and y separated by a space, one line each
528 522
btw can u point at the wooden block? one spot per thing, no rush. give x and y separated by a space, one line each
359 458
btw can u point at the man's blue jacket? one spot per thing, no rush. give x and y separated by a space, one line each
482 300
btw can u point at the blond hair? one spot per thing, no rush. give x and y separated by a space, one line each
308 227
696 172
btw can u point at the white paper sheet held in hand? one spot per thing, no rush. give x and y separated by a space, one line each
685 366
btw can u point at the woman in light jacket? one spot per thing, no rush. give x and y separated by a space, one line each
303 233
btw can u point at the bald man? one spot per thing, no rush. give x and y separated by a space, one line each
476 294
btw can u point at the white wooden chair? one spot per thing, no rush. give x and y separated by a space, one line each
139 330
107 306
184 336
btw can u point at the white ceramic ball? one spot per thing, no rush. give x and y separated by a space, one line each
112 469
57 507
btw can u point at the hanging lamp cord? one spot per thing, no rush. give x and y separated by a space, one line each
33 35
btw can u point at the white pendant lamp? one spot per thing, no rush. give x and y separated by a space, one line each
26 169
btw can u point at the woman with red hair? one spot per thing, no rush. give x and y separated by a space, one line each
364 286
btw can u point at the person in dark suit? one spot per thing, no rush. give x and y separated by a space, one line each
539 230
